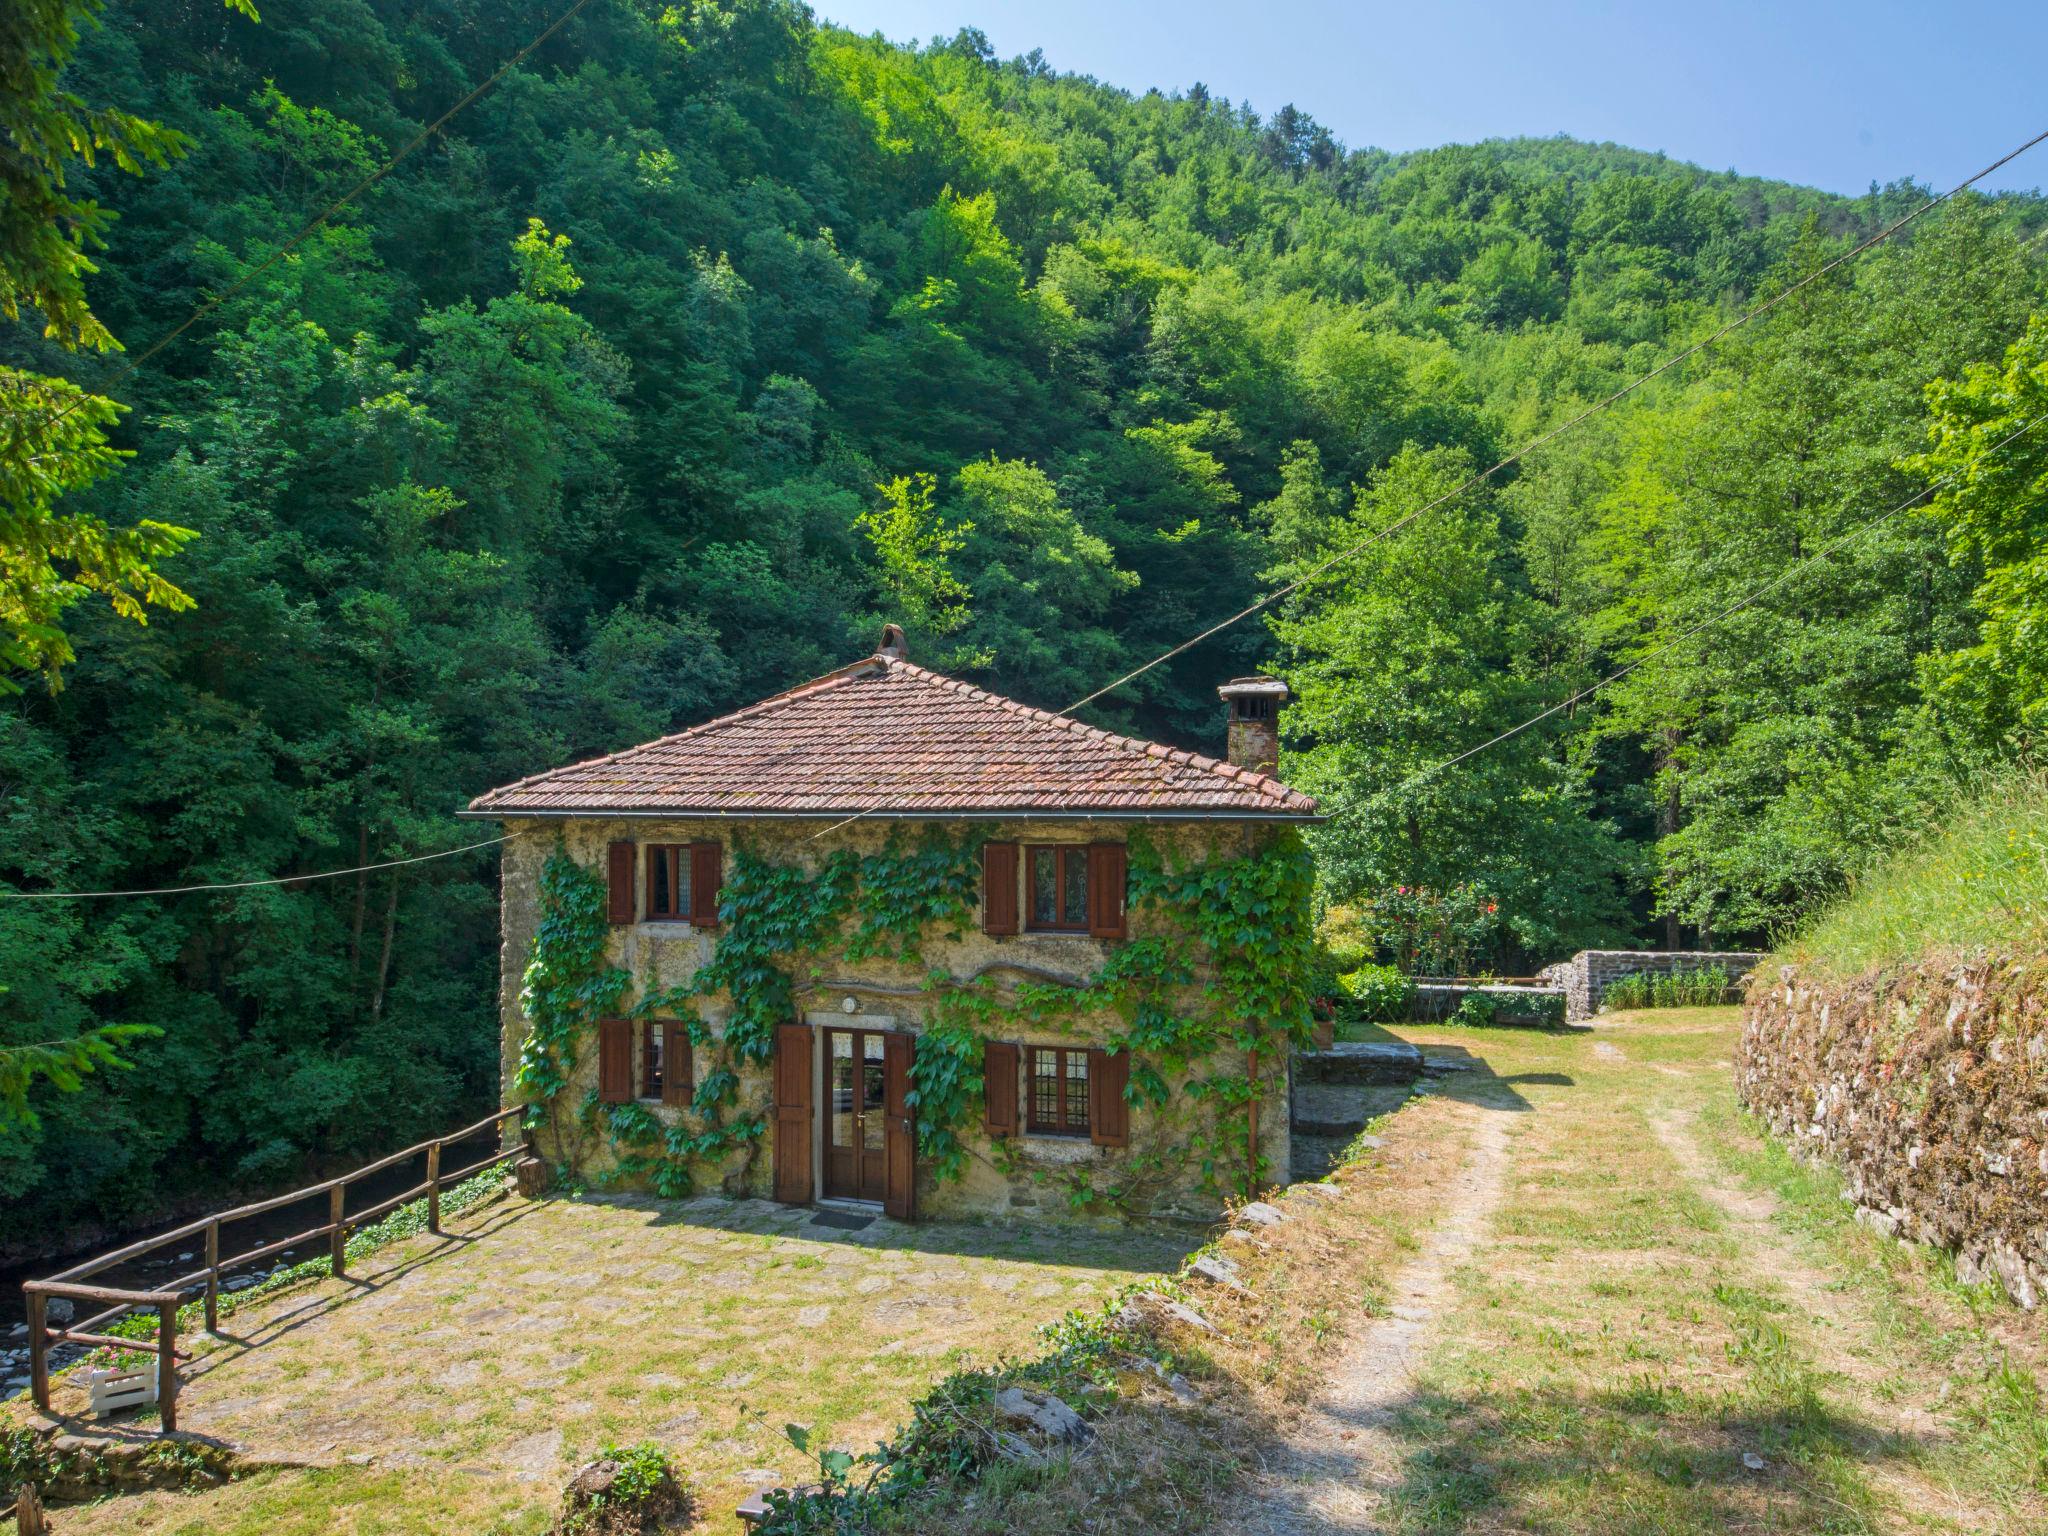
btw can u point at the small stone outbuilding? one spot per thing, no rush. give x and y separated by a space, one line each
992 890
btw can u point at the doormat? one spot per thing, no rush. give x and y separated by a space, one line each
841 1221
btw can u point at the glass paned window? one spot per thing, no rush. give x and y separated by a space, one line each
1058 1101
651 1059
668 881
1059 889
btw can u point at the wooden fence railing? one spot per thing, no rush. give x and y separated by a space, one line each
166 1299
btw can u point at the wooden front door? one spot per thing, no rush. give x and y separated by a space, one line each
869 1150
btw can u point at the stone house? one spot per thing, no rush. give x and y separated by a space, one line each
999 1008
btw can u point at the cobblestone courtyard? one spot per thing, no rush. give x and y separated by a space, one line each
537 1332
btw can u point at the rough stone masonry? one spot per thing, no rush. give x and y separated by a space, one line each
1929 1088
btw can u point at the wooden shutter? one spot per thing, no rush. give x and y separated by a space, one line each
1106 870
615 1061
998 887
999 1088
707 864
619 861
678 1075
793 1073
1109 1116
899 1131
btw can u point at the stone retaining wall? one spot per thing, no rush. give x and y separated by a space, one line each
1436 1000
1929 1089
1586 977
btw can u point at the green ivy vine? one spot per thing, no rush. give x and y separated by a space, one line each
1238 929
1234 930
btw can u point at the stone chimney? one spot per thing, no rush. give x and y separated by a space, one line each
894 646
1254 722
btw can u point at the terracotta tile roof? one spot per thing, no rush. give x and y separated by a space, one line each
888 738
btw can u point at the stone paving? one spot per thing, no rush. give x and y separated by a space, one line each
537 1332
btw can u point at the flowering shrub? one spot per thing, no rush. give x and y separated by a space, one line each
1436 933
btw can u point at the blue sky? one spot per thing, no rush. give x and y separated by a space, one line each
1832 95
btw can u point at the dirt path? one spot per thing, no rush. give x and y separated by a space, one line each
1633 1313
1338 1458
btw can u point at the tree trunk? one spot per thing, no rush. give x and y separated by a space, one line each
384 959
1668 814
1414 940
355 939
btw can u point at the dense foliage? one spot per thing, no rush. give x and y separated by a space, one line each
711 336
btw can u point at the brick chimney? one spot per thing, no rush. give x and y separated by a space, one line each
1254 722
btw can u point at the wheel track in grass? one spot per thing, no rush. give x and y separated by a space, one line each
1844 1333
1337 1462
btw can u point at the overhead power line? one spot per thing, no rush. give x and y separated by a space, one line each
127 370
1555 432
243 885
1684 635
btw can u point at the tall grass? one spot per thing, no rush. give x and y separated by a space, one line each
1679 989
1980 879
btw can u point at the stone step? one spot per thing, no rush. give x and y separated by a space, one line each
1341 1110
1360 1061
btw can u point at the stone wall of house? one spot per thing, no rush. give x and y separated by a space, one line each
1586 977
1929 1089
876 993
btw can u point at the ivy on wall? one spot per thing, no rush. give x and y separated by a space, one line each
1233 932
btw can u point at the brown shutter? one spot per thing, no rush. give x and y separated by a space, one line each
998 887
619 858
999 1088
899 1130
615 1061
1106 890
1109 1117
793 1072
678 1077
707 864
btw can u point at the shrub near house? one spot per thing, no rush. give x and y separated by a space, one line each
890 938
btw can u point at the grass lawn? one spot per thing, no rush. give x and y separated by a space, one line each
1571 1290
454 1385
1675 1326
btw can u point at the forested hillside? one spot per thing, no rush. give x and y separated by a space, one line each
712 336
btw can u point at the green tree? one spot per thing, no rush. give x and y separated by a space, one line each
1989 443
53 434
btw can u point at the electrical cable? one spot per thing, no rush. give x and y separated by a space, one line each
243 885
1684 635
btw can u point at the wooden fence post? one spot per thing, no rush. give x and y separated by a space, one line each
337 1237
434 1187
213 1276
28 1512
38 1350
167 1364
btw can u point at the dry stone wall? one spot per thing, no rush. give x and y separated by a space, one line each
1929 1089
1586 977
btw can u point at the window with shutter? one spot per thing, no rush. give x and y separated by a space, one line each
619 872
1107 877
679 1075
653 1057
999 1088
668 882
1056 1101
615 1061
1057 890
999 888
1109 1113
706 874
